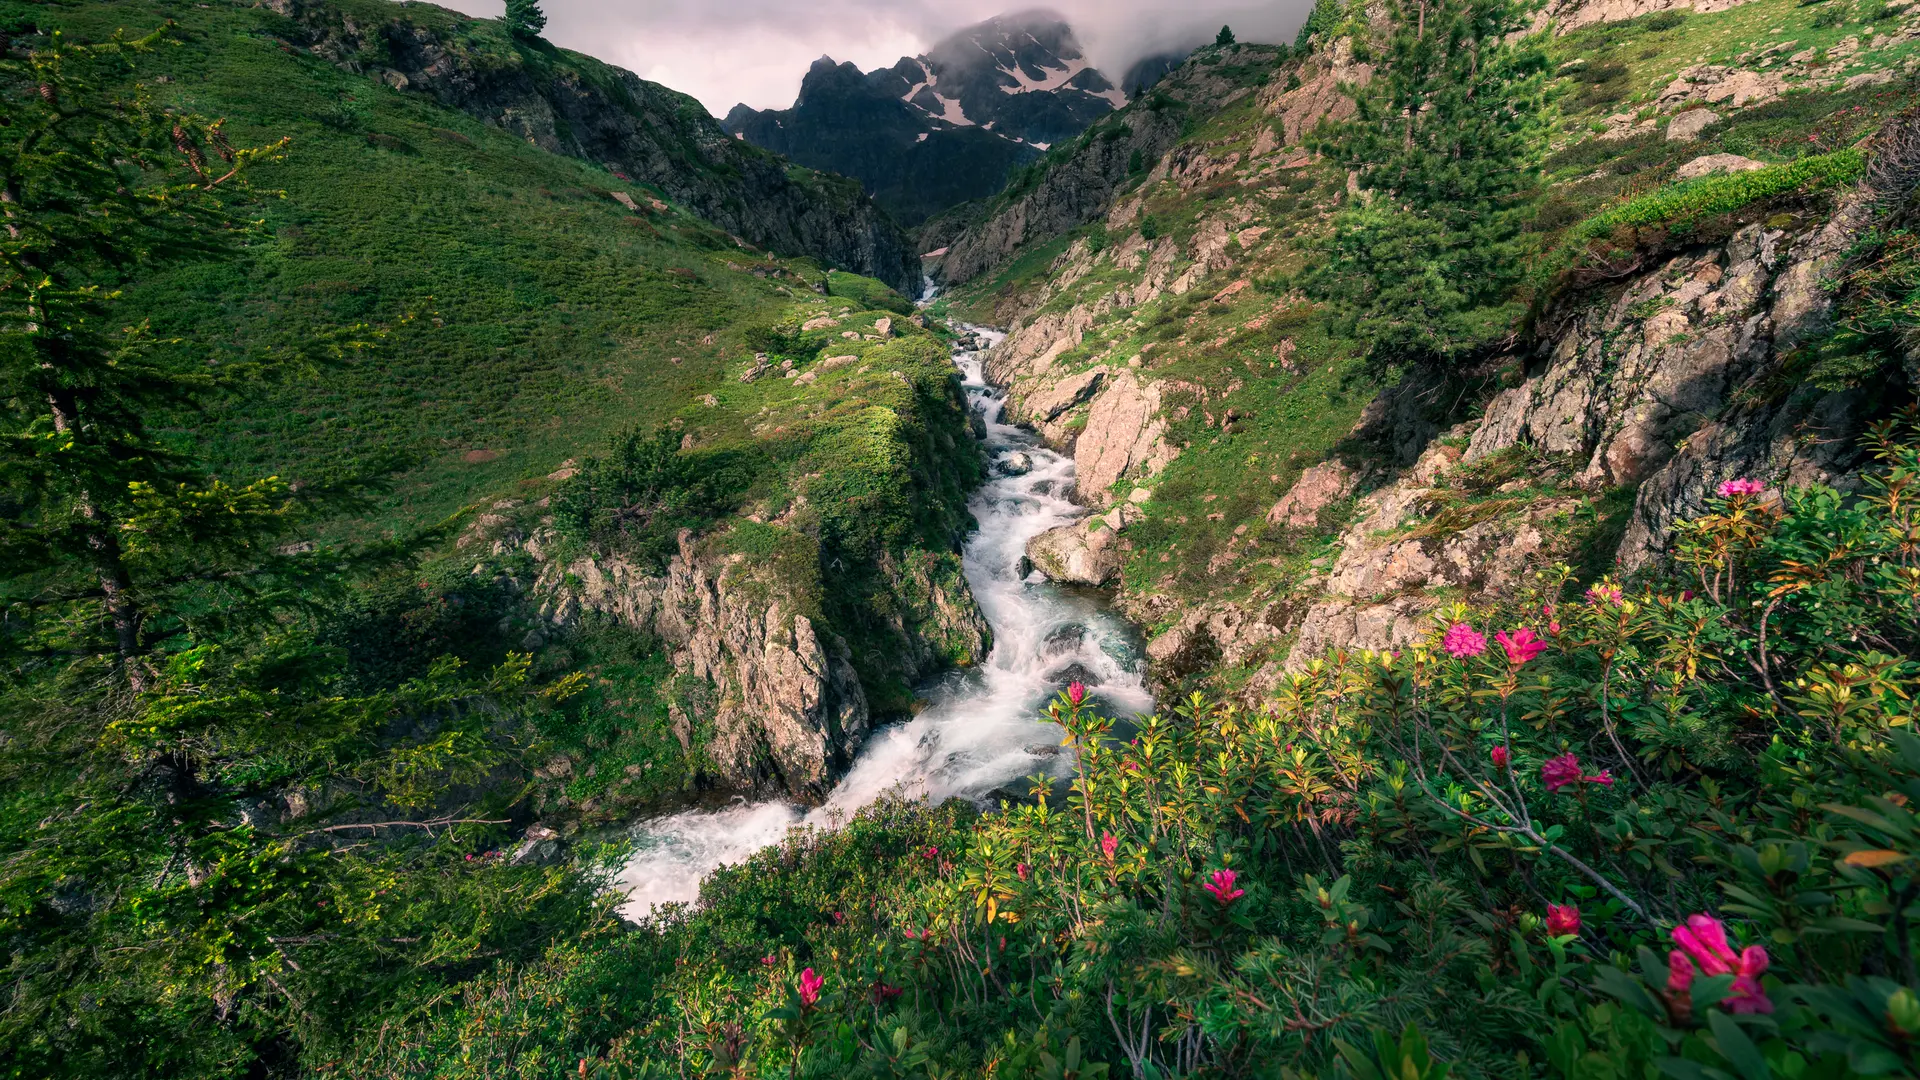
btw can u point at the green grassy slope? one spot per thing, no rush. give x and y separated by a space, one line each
518 315
525 313
1262 353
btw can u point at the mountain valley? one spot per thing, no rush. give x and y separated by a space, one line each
1389 553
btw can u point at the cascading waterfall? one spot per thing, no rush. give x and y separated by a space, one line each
981 729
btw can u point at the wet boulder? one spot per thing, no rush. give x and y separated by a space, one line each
1074 673
1064 640
1084 553
541 847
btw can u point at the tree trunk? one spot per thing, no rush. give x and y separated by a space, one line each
109 561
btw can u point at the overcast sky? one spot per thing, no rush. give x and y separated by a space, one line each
728 51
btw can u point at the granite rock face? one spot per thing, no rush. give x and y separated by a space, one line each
1317 489
1645 388
790 709
1651 383
1083 553
574 105
787 707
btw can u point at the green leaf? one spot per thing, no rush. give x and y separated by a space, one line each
1628 991
1682 1069
1737 1048
1709 991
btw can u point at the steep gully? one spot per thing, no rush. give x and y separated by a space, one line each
980 729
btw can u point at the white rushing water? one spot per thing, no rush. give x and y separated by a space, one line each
981 729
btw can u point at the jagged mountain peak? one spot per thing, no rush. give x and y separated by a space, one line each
1021 53
946 126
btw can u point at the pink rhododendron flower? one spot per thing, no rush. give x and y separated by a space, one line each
1221 886
1605 594
1742 486
1022 870
1747 997
1109 844
810 986
1563 920
884 992
1076 693
1704 938
1564 771
1679 974
769 959
932 853
1502 757
1463 641
1521 645
1703 941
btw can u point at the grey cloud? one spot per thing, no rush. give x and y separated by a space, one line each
728 51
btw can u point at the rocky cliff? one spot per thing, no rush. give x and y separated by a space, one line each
1655 389
779 706
574 105
1262 505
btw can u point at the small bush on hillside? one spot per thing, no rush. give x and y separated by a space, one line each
780 344
1876 325
636 499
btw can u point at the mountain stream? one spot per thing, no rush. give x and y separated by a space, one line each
981 729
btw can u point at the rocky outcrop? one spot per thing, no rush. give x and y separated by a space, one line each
1321 91
785 708
1710 164
789 708
571 104
1083 553
1647 389
1318 488
1573 14
1125 438
1687 126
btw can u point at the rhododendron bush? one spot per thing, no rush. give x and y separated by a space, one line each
1634 827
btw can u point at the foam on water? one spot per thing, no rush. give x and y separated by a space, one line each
981 729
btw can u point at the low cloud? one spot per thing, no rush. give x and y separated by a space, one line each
755 51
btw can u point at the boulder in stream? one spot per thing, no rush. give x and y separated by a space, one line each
1084 553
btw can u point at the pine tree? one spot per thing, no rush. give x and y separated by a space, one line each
525 20
1225 37
1423 266
98 183
166 682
